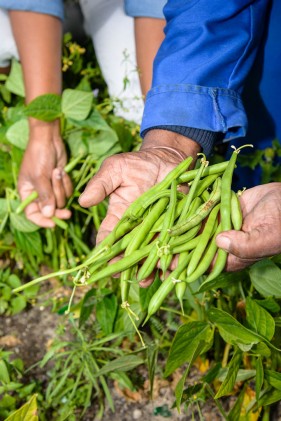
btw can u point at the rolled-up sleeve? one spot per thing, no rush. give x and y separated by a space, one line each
48 7
201 66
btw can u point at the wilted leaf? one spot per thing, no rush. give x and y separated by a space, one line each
28 412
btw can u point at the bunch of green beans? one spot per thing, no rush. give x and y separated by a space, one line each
162 224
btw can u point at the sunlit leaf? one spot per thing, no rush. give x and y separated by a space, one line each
76 104
18 134
44 107
28 412
259 319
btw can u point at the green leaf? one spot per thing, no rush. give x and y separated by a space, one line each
14 83
265 276
4 373
259 377
212 374
269 304
18 134
88 305
235 411
270 397
259 319
126 363
231 330
273 378
185 343
180 385
106 311
230 379
21 223
18 304
222 281
76 104
45 107
28 412
14 281
261 349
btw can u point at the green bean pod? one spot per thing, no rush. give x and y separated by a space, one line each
211 169
201 213
181 286
152 259
205 183
206 260
236 212
204 239
165 288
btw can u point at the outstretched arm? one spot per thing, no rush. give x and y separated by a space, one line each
38 37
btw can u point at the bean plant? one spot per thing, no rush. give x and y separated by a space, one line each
230 320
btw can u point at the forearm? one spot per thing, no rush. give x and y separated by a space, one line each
38 38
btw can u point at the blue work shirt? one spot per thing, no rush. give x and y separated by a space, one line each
201 66
48 7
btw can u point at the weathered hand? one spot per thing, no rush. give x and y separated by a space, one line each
261 231
126 176
42 171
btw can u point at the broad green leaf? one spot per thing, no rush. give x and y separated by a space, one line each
21 223
265 276
242 375
14 281
230 379
180 385
4 373
273 378
45 107
29 242
76 104
18 304
126 363
28 412
106 311
231 330
261 349
18 134
259 376
222 281
259 319
185 343
269 304
14 83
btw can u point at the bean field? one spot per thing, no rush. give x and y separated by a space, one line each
79 333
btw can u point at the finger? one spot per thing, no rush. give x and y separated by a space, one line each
46 197
252 245
63 213
148 281
234 263
107 179
34 214
58 188
67 184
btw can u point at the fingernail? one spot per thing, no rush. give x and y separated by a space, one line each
223 242
47 211
58 174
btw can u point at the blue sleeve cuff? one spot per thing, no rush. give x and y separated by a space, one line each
48 7
200 107
145 8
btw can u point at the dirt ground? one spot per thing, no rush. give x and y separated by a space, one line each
28 335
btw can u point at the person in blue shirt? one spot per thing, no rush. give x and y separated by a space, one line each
210 49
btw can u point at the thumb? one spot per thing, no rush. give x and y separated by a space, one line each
245 245
46 198
107 179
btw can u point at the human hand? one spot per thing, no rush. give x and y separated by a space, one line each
260 235
126 176
42 171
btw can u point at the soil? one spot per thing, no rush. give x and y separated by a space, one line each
29 334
